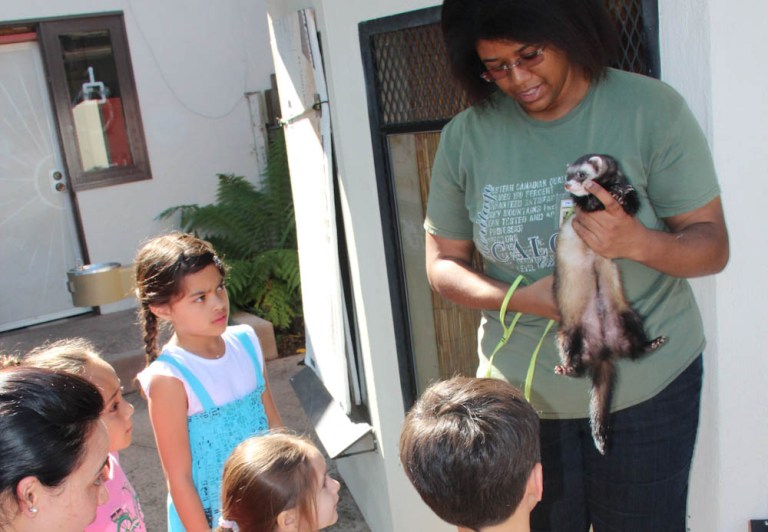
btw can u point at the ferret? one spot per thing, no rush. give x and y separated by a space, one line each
597 326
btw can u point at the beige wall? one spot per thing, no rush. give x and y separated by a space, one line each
193 62
376 480
708 52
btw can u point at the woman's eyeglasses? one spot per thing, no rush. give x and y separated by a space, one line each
526 61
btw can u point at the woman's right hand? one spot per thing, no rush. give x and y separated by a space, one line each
537 298
450 272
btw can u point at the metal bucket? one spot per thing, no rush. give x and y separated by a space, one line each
93 285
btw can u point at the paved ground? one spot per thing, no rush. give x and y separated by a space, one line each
117 338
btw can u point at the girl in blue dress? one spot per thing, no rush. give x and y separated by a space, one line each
207 390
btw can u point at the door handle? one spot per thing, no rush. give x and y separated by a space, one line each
58 181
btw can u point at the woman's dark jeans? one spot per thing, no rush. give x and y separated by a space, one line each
641 484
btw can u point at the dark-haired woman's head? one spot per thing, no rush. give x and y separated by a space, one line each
580 30
53 450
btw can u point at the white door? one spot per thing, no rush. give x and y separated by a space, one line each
307 126
38 240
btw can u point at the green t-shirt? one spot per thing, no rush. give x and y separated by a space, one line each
498 179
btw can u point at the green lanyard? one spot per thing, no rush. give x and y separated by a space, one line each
508 333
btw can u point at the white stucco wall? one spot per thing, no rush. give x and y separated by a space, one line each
405 510
192 62
740 119
376 480
708 52
732 484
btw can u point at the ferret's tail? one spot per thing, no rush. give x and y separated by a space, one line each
600 404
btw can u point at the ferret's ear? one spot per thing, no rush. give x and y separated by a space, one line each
598 163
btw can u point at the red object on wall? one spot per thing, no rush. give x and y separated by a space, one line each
11 38
114 130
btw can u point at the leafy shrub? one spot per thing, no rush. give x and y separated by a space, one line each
254 230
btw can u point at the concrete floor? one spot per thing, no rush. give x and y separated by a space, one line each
117 338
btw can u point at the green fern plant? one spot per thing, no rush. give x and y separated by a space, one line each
254 230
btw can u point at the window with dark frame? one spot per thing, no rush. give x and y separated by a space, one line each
94 96
402 45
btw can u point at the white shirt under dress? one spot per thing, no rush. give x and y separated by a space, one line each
226 379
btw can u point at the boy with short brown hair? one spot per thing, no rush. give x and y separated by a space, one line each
470 447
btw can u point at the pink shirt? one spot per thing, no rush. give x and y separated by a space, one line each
122 512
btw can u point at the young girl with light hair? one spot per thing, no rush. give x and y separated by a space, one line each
277 483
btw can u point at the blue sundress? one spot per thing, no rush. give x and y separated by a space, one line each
215 432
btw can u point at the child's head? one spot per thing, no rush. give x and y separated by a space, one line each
164 269
470 447
278 483
79 357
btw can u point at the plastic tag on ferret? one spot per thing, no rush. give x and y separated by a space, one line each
566 207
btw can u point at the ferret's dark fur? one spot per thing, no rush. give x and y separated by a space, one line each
597 326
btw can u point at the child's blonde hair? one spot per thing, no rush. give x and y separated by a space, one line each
160 266
266 475
70 354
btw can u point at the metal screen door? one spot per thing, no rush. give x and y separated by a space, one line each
38 239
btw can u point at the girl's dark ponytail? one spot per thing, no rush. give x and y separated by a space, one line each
149 327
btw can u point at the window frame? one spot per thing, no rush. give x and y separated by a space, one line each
48 37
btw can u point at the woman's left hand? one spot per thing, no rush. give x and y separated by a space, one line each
695 244
611 233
